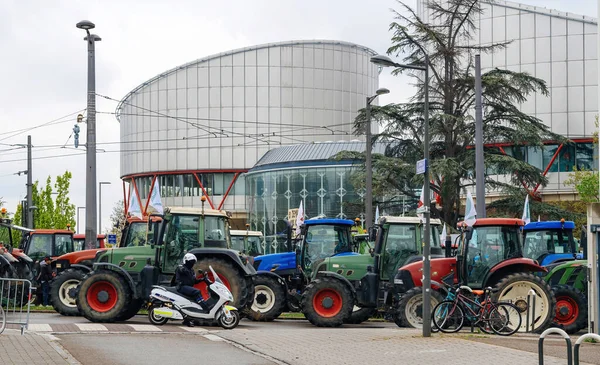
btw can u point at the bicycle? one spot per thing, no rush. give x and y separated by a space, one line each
2 319
502 318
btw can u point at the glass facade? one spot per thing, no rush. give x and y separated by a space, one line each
324 190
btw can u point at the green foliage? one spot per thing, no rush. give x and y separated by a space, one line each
53 213
16 234
118 219
64 211
586 183
452 100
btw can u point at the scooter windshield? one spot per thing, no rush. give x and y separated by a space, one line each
216 278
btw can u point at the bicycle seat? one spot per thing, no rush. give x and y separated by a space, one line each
478 292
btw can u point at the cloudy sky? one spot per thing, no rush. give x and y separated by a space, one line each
43 73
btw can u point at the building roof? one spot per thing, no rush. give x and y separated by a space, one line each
311 152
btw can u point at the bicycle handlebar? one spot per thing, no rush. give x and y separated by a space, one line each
464 287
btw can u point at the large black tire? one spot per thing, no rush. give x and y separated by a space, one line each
410 307
359 315
269 299
571 308
327 302
515 288
232 277
103 296
131 311
61 289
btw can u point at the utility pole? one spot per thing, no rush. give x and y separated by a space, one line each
90 177
29 186
479 162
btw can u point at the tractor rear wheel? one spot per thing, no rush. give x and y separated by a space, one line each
132 309
62 292
571 308
230 276
359 315
103 296
515 289
410 307
269 299
327 302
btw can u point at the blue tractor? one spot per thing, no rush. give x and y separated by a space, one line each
281 277
550 242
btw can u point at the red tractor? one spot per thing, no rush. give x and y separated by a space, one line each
490 254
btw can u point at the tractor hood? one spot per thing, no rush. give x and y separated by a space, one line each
275 262
348 264
78 256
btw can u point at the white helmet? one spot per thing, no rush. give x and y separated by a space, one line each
189 257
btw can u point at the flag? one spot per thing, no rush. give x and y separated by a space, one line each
526 215
377 214
538 218
470 212
444 233
299 218
134 205
155 205
421 204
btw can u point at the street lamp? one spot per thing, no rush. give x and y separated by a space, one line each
385 61
100 204
90 177
368 162
78 218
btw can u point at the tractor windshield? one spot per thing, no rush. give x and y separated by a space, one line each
404 241
539 244
63 244
237 243
216 232
488 246
325 240
255 247
136 234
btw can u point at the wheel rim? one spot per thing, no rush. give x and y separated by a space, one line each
102 296
264 299
156 317
64 290
517 293
414 311
228 322
567 310
327 303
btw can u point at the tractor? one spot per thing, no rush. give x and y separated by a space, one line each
352 288
72 267
282 277
490 255
119 284
550 242
247 242
79 241
14 263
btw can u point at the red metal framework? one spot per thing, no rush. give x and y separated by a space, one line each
195 173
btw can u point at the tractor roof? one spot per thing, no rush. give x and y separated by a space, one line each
241 232
538 226
409 220
197 211
345 222
81 236
496 222
51 231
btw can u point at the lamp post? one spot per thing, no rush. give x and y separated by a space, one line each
78 218
100 204
368 161
385 61
90 177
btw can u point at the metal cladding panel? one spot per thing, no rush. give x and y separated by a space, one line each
232 107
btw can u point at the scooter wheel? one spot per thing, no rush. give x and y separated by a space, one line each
229 323
155 318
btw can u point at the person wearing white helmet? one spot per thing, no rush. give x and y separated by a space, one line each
186 279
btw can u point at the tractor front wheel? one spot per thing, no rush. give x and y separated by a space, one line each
516 288
103 296
571 308
269 299
62 292
410 307
327 302
359 315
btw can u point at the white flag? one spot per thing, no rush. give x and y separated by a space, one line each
526 215
538 218
470 212
299 218
134 205
155 205
444 233
421 204
377 214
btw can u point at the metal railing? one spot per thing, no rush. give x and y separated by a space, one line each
15 302
570 351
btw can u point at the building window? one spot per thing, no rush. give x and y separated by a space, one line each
584 156
548 154
566 160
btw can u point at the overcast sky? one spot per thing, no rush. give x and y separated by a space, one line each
43 65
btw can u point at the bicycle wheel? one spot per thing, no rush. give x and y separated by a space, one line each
505 319
448 316
2 319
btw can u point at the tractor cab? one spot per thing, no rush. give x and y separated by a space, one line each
40 243
79 241
137 232
362 243
324 238
249 242
550 242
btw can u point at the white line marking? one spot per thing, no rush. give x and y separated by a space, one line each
37 327
193 329
213 337
91 327
144 328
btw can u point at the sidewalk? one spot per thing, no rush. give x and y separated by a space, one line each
32 348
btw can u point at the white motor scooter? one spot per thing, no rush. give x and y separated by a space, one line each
167 303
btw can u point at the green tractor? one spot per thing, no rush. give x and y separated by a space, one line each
120 283
349 289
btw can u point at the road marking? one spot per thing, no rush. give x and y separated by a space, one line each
193 329
213 337
37 327
90 327
144 328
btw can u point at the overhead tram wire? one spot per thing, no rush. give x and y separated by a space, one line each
17 132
